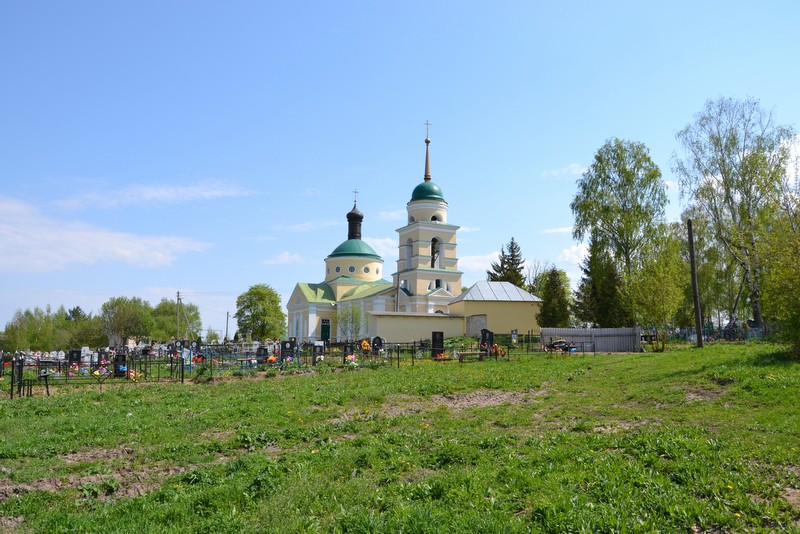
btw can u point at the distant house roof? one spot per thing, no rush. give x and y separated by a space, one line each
496 292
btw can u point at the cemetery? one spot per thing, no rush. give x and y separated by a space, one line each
30 374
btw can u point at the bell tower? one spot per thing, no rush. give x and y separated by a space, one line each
427 276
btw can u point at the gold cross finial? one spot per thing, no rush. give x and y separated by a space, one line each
355 196
427 124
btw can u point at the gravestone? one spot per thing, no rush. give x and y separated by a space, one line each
437 343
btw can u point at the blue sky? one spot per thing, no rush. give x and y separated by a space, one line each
152 147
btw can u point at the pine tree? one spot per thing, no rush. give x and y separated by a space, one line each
509 269
598 299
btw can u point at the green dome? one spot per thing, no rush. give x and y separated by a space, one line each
427 191
354 247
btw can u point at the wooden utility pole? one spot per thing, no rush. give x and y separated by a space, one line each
698 322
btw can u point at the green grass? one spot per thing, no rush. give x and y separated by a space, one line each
688 440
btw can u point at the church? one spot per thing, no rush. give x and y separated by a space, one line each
424 294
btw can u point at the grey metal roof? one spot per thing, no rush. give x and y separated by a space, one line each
496 291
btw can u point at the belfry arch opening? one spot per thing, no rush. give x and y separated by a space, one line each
436 253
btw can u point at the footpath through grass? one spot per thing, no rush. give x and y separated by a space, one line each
685 441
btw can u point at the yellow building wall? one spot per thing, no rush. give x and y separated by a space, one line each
374 268
398 328
502 316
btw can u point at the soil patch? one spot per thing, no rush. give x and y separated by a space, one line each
128 483
8 524
404 404
94 455
703 395
619 426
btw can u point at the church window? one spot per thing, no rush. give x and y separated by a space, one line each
351 269
377 270
435 218
407 253
438 283
366 270
410 219
338 268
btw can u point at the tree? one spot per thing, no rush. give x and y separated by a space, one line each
719 277
169 319
534 276
779 246
620 199
655 291
42 329
259 313
127 318
212 336
735 159
555 295
599 299
509 268
88 331
348 320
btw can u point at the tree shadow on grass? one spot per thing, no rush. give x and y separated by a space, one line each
780 358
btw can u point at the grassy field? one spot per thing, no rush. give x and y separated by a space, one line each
685 441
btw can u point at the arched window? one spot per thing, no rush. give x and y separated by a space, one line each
435 253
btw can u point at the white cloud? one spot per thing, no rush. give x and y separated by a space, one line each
284 258
561 230
672 184
571 170
386 247
468 229
310 226
392 215
477 263
32 241
143 194
574 254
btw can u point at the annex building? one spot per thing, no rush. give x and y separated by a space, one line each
424 294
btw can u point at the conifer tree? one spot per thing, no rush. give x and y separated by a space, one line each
599 298
510 266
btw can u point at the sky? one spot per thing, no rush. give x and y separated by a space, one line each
149 148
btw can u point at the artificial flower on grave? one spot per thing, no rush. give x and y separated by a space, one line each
365 346
439 356
497 350
272 359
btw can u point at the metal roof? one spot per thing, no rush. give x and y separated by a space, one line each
496 292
